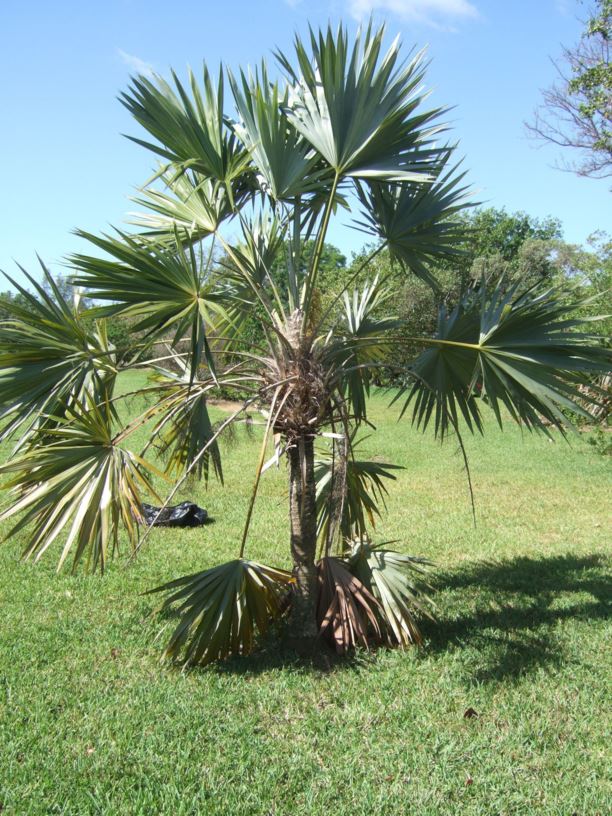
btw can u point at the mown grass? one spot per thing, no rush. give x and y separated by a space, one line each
91 723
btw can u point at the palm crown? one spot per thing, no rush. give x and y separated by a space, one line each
347 127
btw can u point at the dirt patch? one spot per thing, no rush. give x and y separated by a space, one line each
229 405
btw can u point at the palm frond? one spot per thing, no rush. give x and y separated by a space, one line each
396 581
522 352
360 342
185 429
189 129
357 485
359 107
247 274
346 611
285 162
262 243
417 222
164 287
49 360
195 207
443 375
81 482
220 610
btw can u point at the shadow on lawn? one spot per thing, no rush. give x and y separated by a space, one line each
501 615
507 611
274 655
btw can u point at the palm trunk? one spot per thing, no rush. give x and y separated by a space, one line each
303 628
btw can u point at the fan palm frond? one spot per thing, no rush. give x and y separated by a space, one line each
347 610
358 108
396 581
220 610
82 482
195 208
189 130
522 352
162 286
417 222
49 360
443 384
285 161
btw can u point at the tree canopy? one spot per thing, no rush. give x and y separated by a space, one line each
576 111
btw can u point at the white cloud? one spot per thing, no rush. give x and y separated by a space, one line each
432 12
136 64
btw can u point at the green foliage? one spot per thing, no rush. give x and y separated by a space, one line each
67 291
358 343
592 81
8 299
80 482
593 269
222 608
396 581
51 361
121 336
601 440
225 287
496 232
576 111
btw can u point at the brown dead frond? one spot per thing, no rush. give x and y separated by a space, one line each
347 610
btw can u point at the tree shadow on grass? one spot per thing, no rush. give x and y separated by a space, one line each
505 614
501 615
273 654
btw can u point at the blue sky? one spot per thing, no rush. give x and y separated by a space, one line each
63 63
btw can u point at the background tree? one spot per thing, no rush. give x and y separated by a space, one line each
577 110
9 299
66 290
348 122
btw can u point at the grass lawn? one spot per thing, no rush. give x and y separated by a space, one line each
92 723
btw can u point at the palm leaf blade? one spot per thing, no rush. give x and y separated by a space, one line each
221 609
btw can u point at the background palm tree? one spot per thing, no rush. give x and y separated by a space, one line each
344 128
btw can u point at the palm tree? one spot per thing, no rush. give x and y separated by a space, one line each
345 128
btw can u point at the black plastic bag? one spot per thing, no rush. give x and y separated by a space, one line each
186 514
